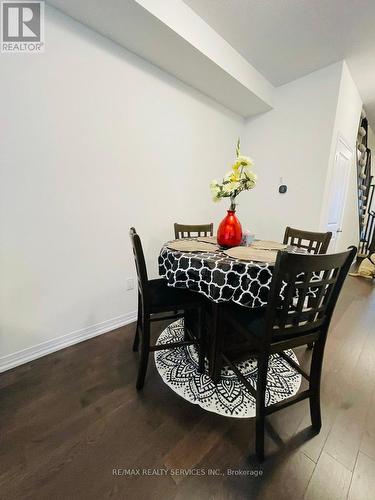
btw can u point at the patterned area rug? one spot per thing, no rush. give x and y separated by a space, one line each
178 368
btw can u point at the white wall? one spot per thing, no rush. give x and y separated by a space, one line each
292 141
349 106
93 141
297 142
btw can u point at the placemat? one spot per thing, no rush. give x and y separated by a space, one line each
186 245
268 245
252 254
208 239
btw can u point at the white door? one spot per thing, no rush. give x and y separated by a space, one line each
338 190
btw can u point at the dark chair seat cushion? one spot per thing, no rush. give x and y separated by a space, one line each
250 320
168 298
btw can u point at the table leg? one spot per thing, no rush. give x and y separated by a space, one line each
216 334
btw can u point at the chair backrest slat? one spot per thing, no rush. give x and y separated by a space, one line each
316 243
304 292
140 265
192 230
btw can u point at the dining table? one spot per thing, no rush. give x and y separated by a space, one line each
213 272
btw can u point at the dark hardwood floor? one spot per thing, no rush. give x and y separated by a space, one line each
68 420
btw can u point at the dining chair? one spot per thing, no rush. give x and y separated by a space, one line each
191 230
289 321
154 298
316 243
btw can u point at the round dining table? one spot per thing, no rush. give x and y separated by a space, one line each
221 279
217 276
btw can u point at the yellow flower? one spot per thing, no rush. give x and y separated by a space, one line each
215 190
228 177
236 166
239 178
250 180
245 161
252 176
230 187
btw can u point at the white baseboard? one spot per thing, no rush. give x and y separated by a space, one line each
39 350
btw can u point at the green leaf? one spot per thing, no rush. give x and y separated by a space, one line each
238 148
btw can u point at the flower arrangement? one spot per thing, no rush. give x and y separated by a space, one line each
239 179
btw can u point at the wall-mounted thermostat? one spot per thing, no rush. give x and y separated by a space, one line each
283 188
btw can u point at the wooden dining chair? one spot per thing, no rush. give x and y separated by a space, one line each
154 298
316 243
191 230
289 321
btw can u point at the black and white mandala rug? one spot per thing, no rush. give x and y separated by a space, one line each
178 368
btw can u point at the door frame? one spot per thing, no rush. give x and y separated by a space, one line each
341 141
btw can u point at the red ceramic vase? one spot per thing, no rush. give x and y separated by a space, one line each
229 233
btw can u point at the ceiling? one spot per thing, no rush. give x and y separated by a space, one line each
286 39
186 47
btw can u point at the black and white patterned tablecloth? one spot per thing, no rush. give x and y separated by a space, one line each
217 276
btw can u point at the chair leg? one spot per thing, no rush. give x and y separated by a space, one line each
138 327
136 339
313 303
216 344
145 350
186 335
260 405
315 375
201 351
